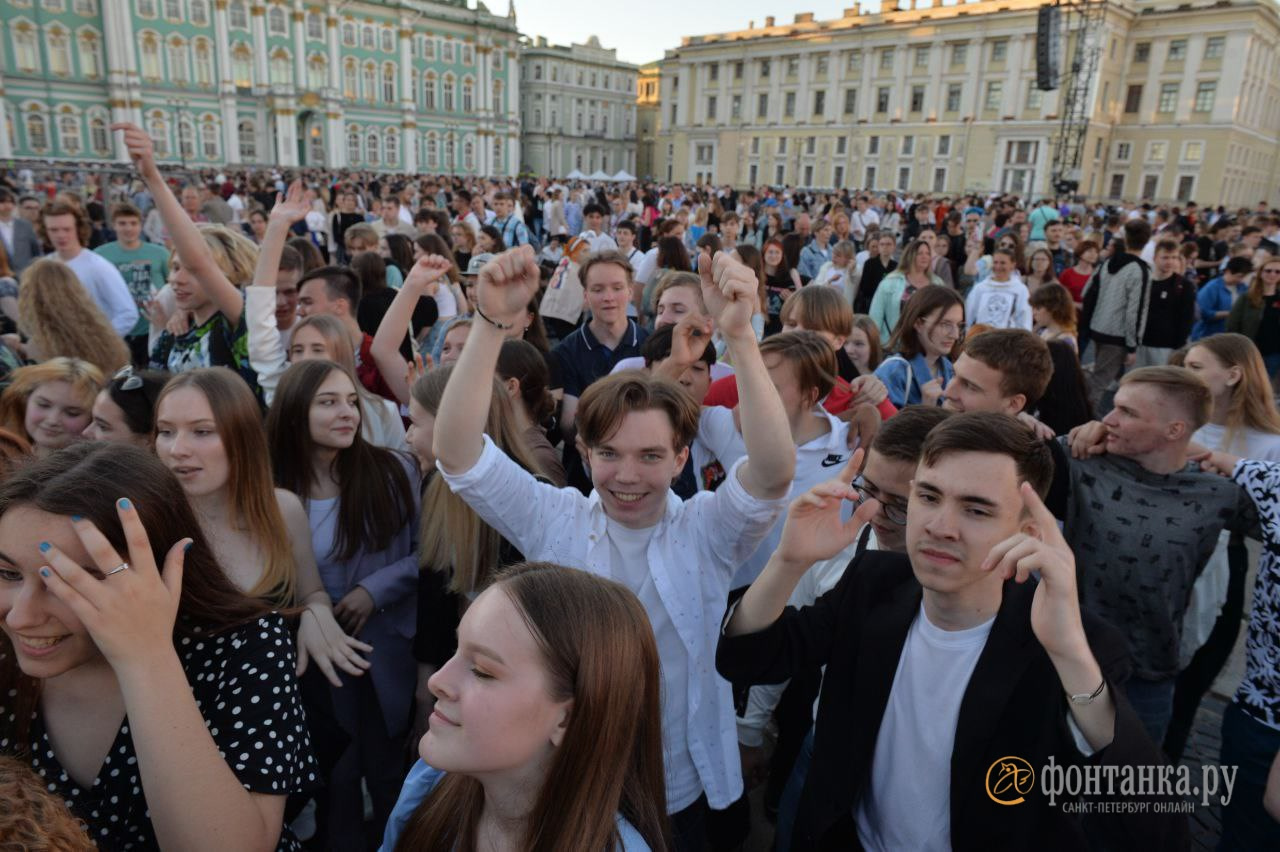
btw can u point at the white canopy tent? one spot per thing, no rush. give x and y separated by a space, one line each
598 174
575 175
623 176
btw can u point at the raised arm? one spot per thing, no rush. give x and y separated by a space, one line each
184 234
729 290
424 280
503 292
266 349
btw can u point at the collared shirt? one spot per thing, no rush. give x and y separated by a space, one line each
583 359
693 553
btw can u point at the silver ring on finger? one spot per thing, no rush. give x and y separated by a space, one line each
123 566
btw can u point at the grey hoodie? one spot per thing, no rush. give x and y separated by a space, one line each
1116 300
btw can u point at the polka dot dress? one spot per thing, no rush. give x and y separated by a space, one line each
244 684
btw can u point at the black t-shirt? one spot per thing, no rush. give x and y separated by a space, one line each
244 682
873 272
1268 335
373 308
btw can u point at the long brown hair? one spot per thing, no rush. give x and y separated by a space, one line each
84 479
1254 294
452 538
377 497
55 311
923 302
1252 402
751 257
599 652
252 497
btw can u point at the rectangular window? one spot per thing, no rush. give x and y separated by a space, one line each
793 66
1177 50
954 91
737 70
735 107
853 61
922 57
820 65
944 145
713 72
850 101
1205 92
711 108
703 155
995 92
837 177
819 104
1186 187
780 174
1123 151
886 59
753 174
842 143
1150 185
1133 99
882 99
1000 50
908 145
811 145
1117 185
764 69
1168 97
917 98
1157 151
1214 47
755 145
1142 52
939 180
870 181
1035 98
782 145
959 54
762 106
904 177
789 104
1192 152
808 175
873 146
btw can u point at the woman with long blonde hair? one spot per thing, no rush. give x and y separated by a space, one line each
458 551
208 432
50 404
59 318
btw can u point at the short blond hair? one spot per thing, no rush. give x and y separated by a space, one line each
1180 385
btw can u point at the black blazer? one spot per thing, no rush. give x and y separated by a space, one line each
1014 705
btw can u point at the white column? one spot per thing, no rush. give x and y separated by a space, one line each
258 21
123 85
285 120
6 150
226 87
1013 101
299 47
408 124
335 137
513 113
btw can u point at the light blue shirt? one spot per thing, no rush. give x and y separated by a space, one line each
423 779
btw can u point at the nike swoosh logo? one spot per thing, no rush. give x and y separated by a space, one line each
832 460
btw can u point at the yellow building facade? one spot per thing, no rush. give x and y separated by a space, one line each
1185 104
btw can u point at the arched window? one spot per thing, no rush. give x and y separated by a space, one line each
277 21
204 62
238 15
186 138
59 46
448 93
317 71
173 10
150 54
469 155
209 138
353 145
242 65
433 152
393 147
429 49
349 87
371 81
450 162
37 132
248 140
499 167
389 83
372 148
537 119
199 12
388 38
315 26
468 55
99 136
497 96
146 8
179 70
25 50
90 54
468 95
158 129
429 90
348 34
69 133
281 67
86 7
368 40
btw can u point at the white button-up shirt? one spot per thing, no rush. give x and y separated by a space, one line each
692 555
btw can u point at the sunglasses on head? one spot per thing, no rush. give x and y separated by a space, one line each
130 381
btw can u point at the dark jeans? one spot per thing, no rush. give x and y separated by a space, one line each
698 828
1250 745
1194 681
791 796
1152 700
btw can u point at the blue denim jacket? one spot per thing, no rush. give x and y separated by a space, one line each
903 378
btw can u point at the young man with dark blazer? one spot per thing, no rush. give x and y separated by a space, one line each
948 663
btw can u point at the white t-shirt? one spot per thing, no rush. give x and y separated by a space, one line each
999 304
105 285
908 802
631 569
718 442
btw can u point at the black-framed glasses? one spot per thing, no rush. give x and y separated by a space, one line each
129 381
894 512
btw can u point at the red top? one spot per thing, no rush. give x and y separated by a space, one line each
1075 282
724 392
367 371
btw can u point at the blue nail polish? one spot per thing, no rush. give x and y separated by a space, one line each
44 547
186 548
75 518
44 572
124 503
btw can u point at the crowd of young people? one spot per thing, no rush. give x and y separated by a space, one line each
454 514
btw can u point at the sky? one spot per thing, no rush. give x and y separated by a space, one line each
642 29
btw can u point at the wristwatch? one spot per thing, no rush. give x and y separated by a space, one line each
1081 699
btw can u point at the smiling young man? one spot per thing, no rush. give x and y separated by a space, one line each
144 267
67 228
678 557
942 662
